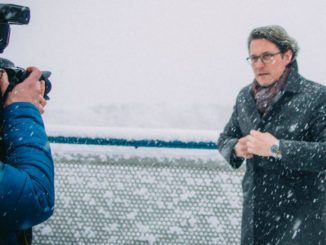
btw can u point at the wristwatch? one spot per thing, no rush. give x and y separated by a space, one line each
275 149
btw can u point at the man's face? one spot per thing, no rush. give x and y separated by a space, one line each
268 72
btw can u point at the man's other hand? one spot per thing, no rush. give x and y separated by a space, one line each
241 149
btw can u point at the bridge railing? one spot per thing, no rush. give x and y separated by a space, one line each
133 186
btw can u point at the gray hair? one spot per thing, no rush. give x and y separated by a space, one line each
277 35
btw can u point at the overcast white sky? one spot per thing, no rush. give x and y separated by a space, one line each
158 51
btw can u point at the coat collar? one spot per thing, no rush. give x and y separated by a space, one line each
294 80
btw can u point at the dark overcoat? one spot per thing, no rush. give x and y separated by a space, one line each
284 200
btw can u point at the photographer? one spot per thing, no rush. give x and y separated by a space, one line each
26 168
26 165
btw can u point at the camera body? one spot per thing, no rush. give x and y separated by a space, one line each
19 15
17 75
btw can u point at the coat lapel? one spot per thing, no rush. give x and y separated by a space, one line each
251 110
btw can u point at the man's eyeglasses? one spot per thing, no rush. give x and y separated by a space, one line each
265 58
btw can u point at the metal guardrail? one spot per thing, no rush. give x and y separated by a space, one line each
133 143
133 137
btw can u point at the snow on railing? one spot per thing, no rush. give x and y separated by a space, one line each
135 137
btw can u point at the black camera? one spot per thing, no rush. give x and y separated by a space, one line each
18 15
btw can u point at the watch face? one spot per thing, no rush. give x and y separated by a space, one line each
274 149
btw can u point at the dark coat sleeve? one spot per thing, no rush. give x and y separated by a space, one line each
229 138
308 155
27 175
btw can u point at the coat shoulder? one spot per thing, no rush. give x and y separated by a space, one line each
244 94
314 89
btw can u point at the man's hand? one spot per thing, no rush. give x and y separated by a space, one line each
30 90
260 143
241 148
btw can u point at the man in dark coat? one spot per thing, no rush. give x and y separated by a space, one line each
278 127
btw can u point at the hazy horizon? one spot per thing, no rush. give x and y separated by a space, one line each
182 52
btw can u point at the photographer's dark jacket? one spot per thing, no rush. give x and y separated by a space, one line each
284 200
26 172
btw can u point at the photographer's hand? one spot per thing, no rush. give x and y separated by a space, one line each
30 90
